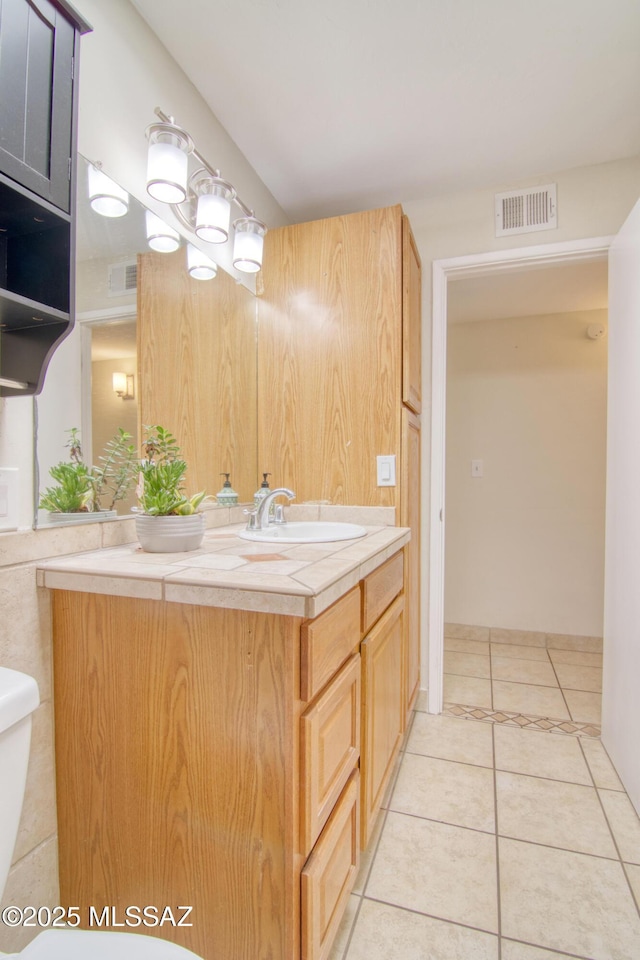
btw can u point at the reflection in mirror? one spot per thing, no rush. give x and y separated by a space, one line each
190 363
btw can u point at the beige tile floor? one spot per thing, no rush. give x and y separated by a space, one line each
498 842
562 684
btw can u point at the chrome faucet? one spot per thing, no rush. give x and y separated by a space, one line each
259 519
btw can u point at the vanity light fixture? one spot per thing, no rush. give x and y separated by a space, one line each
168 161
248 244
202 202
123 385
160 236
213 211
200 266
105 196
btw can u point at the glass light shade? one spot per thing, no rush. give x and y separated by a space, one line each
167 163
248 244
120 383
106 196
160 236
212 217
200 266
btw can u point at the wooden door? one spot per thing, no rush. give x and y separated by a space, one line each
329 356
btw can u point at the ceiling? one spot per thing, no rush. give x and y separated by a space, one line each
349 104
531 292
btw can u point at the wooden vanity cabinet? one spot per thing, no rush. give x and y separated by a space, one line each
224 759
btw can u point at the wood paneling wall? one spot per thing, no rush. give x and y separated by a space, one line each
330 356
197 369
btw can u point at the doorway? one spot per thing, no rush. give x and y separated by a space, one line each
484 266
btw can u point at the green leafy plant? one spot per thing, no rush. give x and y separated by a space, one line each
161 487
87 489
116 470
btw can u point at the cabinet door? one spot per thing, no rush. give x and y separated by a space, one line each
410 517
411 320
329 357
329 874
382 710
36 80
329 749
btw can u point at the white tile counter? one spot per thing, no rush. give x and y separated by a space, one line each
226 571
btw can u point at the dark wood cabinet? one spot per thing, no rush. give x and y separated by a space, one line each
36 79
38 54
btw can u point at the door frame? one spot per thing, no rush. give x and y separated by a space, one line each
472 265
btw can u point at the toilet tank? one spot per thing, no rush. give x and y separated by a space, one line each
19 697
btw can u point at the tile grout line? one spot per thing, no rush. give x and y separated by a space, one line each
607 821
391 789
497 841
553 667
491 673
560 953
437 917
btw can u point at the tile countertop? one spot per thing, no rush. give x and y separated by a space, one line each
301 579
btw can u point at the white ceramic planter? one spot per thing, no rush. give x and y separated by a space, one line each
170 534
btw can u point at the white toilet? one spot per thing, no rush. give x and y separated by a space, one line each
19 697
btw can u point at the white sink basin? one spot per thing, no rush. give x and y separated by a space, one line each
311 531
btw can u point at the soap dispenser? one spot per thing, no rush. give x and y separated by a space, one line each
227 497
262 491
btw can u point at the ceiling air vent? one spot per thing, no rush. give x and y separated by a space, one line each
122 278
524 211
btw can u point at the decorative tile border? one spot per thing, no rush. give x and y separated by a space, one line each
524 722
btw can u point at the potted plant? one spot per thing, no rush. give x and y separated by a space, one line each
167 520
90 493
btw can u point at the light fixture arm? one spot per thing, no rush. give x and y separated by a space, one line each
214 171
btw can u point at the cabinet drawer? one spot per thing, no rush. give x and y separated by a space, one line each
329 874
330 747
380 588
327 641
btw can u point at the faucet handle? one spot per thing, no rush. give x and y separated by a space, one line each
251 523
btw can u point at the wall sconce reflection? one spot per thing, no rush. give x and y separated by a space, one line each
106 196
123 385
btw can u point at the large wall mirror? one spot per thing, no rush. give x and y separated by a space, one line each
184 351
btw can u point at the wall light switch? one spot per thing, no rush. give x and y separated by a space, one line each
386 471
9 498
476 468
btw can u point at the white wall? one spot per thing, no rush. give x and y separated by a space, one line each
525 542
620 700
592 202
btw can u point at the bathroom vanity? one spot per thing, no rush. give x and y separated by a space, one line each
227 723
